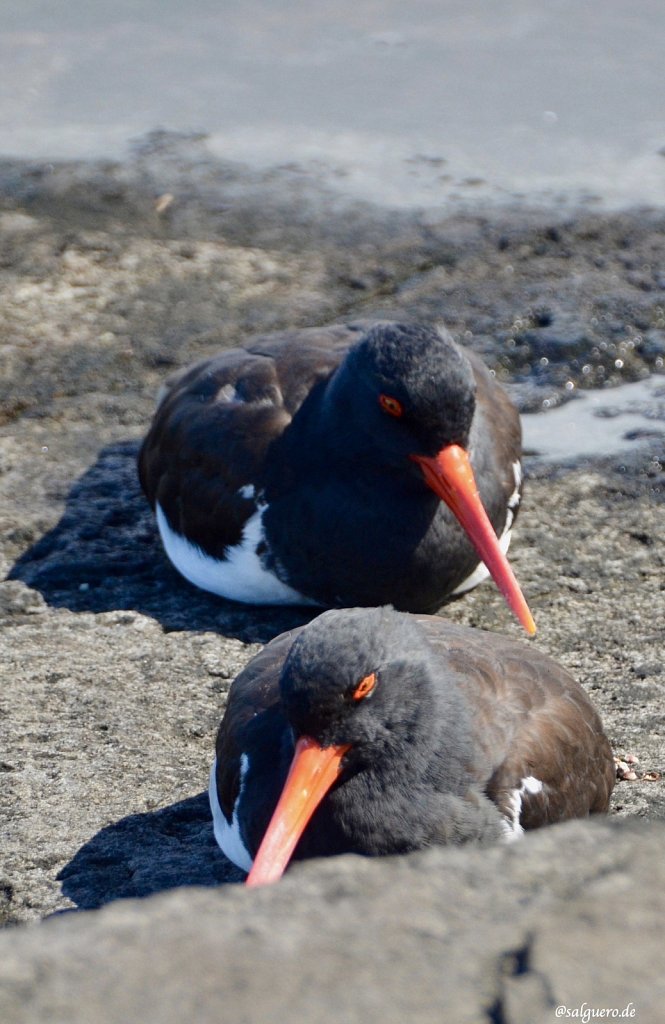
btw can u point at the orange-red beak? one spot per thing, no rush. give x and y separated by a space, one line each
313 770
449 474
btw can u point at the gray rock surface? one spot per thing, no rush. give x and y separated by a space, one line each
114 671
571 916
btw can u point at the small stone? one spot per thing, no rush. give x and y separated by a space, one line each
18 599
163 202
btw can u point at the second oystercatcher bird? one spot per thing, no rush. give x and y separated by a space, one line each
377 732
346 465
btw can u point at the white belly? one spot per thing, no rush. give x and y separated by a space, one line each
241 576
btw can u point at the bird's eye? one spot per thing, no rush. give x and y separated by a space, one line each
391 405
364 687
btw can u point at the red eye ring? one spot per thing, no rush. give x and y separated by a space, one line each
364 687
391 405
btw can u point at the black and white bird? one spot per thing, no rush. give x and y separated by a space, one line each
355 464
373 731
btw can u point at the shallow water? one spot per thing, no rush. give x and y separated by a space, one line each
598 423
406 105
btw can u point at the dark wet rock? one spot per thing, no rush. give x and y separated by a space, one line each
653 343
559 338
532 396
644 434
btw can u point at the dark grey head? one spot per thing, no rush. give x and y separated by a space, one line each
360 676
380 724
398 413
422 370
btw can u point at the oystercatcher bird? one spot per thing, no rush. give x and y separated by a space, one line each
347 465
377 732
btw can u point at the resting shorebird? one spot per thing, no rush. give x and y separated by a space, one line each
339 466
373 731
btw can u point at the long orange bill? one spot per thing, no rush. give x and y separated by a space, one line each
450 475
313 770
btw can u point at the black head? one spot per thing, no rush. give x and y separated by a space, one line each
403 400
358 689
413 380
360 676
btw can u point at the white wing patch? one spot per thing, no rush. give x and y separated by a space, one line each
241 576
228 836
511 825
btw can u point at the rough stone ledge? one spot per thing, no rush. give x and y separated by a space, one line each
571 915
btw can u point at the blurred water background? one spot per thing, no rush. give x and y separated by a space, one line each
406 104
437 104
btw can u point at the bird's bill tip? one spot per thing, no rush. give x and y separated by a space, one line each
313 771
529 623
450 475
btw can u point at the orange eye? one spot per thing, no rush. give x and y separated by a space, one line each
391 405
364 687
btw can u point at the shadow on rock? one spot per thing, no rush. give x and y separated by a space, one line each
148 853
105 555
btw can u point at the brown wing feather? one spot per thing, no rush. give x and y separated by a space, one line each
530 719
306 356
503 436
246 396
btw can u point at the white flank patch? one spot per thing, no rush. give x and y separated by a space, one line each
228 836
241 576
514 499
511 825
227 393
531 785
481 572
